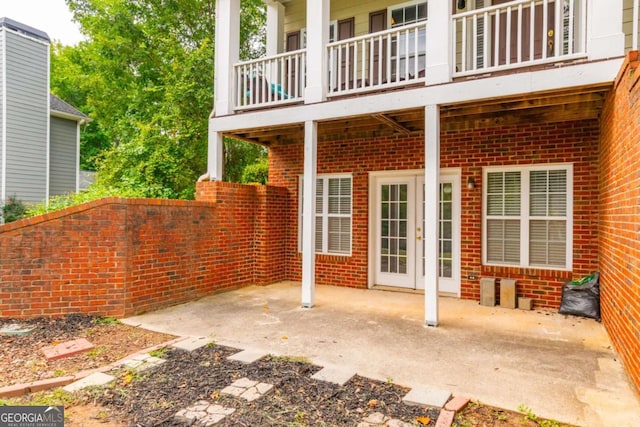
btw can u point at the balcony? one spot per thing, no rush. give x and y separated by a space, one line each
275 80
520 33
378 61
507 37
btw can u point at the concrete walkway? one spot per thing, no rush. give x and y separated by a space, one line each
561 367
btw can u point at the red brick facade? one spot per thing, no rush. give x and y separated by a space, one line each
120 256
619 226
566 142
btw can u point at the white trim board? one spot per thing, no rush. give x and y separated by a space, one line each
451 93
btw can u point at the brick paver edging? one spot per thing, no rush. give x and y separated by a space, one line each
50 383
448 412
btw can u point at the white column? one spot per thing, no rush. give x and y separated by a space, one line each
317 40
438 56
215 156
634 25
308 214
605 38
275 27
227 45
431 203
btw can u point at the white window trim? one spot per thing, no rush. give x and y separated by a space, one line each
325 215
402 5
524 214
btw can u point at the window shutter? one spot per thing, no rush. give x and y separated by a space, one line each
339 210
548 193
503 241
503 193
319 210
503 201
332 215
548 199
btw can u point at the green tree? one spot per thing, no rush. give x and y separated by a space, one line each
256 172
238 155
70 81
145 76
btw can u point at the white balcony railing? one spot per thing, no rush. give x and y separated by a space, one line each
275 80
520 33
376 61
517 34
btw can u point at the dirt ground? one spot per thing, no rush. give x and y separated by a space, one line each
22 359
152 397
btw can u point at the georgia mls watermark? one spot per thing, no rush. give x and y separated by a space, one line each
31 416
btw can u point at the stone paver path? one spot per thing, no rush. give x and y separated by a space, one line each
203 413
93 380
247 389
378 419
142 362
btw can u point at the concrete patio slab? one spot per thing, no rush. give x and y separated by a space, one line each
559 366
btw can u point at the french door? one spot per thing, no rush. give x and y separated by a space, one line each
399 231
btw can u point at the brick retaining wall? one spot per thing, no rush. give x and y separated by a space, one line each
620 215
120 257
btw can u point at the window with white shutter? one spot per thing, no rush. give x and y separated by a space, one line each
333 214
527 216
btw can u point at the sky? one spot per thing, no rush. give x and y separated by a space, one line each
51 16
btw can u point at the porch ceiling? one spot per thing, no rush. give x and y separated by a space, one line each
542 107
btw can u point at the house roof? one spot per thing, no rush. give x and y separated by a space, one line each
25 29
62 109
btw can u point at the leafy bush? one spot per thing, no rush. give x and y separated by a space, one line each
256 173
13 209
94 192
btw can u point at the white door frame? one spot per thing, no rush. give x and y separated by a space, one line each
453 174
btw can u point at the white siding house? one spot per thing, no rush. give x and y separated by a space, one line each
39 133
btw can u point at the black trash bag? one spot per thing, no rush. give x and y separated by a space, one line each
582 297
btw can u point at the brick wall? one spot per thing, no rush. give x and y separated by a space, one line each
575 142
122 256
620 215
65 262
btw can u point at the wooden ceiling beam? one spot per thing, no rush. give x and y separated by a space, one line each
525 104
541 115
396 126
